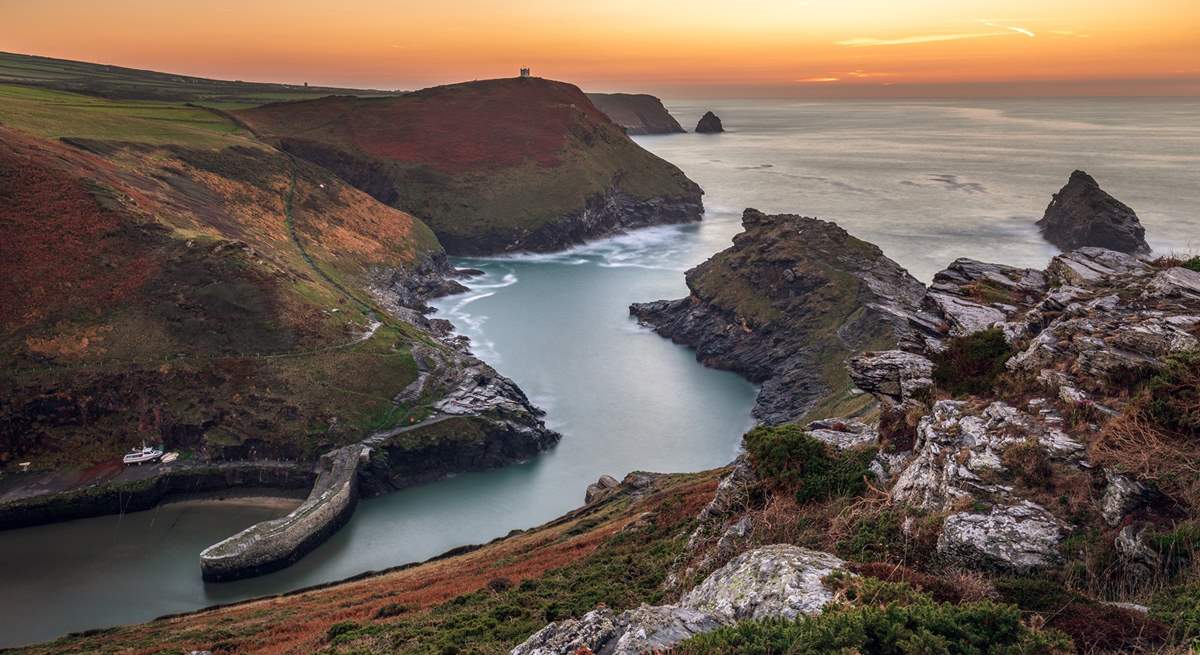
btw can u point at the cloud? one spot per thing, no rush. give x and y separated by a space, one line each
867 42
1018 30
818 79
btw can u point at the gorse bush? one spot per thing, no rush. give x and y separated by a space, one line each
1179 608
1192 264
972 364
788 458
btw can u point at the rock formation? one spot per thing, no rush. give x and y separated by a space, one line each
1083 214
709 124
636 113
792 295
778 581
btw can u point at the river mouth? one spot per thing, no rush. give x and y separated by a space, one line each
928 181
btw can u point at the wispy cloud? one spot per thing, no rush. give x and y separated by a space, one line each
1011 28
818 79
868 42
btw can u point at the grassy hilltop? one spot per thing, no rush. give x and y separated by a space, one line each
491 166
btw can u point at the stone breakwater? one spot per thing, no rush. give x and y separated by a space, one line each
141 488
275 544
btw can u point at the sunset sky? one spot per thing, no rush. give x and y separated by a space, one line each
677 48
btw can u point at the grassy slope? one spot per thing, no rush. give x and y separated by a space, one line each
615 552
480 161
121 83
152 287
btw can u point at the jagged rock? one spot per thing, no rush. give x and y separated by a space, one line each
780 581
600 488
1019 538
731 497
632 632
1089 266
843 433
790 295
1122 495
1082 214
709 124
894 374
1173 283
1137 558
959 451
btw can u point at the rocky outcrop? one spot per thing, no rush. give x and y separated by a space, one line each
780 581
959 453
791 296
600 489
275 544
1082 214
636 113
709 124
1016 538
893 375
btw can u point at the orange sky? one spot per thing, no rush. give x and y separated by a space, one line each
674 48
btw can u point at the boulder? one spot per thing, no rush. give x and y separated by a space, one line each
843 433
894 375
1082 214
709 124
779 581
600 489
632 632
1016 538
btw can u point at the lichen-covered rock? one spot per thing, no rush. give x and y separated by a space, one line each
895 375
632 632
843 433
1089 266
1137 558
959 448
1122 495
1082 214
780 581
1018 538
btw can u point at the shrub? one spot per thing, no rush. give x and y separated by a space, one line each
972 364
1192 264
940 589
1091 625
892 629
394 609
788 458
338 629
499 585
1179 608
1030 463
1173 395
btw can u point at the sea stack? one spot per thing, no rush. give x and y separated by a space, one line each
709 124
1082 214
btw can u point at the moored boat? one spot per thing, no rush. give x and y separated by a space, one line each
142 455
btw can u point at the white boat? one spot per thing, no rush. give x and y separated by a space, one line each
142 455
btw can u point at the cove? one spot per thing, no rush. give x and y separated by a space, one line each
623 398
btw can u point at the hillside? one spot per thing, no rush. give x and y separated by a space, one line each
491 166
120 83
637 113
1028 488
166 277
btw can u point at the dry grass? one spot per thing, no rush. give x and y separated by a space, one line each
1132 443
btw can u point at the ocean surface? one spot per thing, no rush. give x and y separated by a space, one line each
928 181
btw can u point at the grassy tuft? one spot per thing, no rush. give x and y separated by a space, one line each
972 364
791 459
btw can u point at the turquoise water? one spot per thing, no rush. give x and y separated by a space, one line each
928 181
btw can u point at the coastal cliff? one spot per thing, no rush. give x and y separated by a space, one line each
495 166
636 113
782 306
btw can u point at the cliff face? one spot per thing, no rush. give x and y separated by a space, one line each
1082 214
790 296
493 166
637 113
